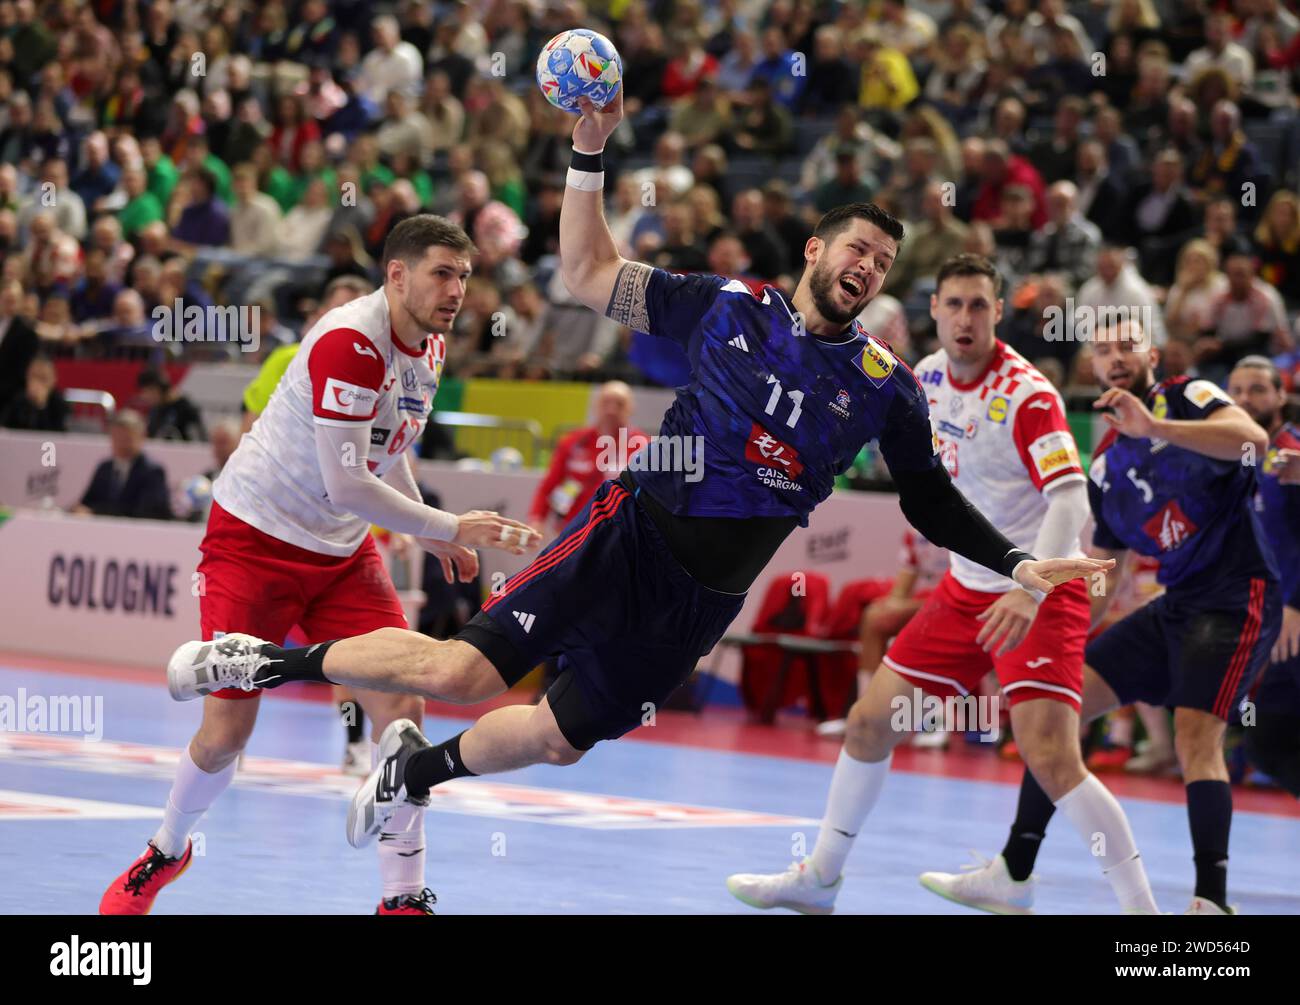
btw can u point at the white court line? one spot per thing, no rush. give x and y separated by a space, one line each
473 797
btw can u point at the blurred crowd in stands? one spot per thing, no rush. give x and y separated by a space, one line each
1133 153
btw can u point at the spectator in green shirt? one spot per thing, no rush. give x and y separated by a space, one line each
162 173
142 207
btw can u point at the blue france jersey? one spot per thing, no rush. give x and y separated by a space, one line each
776 412
1278 507
1192 513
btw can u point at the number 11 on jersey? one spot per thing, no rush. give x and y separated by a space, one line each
795 396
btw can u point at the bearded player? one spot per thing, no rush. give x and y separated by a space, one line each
1273 743
1001 431
1173 479
288 540
646 579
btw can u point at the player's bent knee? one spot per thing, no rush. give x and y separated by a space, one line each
561 754
457 672
868 737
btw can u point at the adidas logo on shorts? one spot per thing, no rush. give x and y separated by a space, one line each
739 342
525 619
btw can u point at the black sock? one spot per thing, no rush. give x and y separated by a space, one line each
433 766
1033 813
1209 815
354 720
299 663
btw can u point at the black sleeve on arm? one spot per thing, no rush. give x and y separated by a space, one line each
935 507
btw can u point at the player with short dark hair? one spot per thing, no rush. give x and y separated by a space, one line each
1273 743
1173 479
643 582
1001 432
288 540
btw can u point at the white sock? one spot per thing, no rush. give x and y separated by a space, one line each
854 790
1100 820
193 791
401 859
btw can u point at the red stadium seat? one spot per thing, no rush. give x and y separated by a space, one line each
791 606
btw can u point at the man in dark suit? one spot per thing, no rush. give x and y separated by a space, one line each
128 483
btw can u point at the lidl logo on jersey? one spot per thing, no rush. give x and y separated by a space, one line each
348 399
998 409
876 362
840 406
1161 407
778 462
1053 452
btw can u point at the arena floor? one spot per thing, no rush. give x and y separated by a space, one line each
651 824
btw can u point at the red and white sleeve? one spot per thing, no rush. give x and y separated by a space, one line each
346 375
1046 445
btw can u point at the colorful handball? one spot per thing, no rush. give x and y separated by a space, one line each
579 62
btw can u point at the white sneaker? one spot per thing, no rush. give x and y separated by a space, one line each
199 668
356 758
833 728
986 886
381 803
1200 905
933 739
1152 761
798 888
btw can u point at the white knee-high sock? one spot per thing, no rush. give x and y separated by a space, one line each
401 858
1100 821
193 791
854 790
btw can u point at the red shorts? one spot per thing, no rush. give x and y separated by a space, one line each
257 584
937 650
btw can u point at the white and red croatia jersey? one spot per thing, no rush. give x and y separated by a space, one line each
1003 438
351 370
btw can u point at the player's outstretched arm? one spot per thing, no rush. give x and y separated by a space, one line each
342 450
589 258
936 508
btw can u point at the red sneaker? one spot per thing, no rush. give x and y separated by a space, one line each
135 890
409 903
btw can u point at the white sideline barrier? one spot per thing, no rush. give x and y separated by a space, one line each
853 535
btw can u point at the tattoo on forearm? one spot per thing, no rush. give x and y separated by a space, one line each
627 304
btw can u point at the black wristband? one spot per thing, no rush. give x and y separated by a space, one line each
1014 558
592 163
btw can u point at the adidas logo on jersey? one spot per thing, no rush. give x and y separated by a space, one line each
739 342
525 619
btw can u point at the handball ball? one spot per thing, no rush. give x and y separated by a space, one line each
579 62
195 496
506 459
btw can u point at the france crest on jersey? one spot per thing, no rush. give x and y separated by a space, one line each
1192 513
771 412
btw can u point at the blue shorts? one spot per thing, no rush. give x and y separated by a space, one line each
1188 650
626 621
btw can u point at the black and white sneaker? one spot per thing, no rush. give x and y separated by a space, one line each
382 803
199 668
